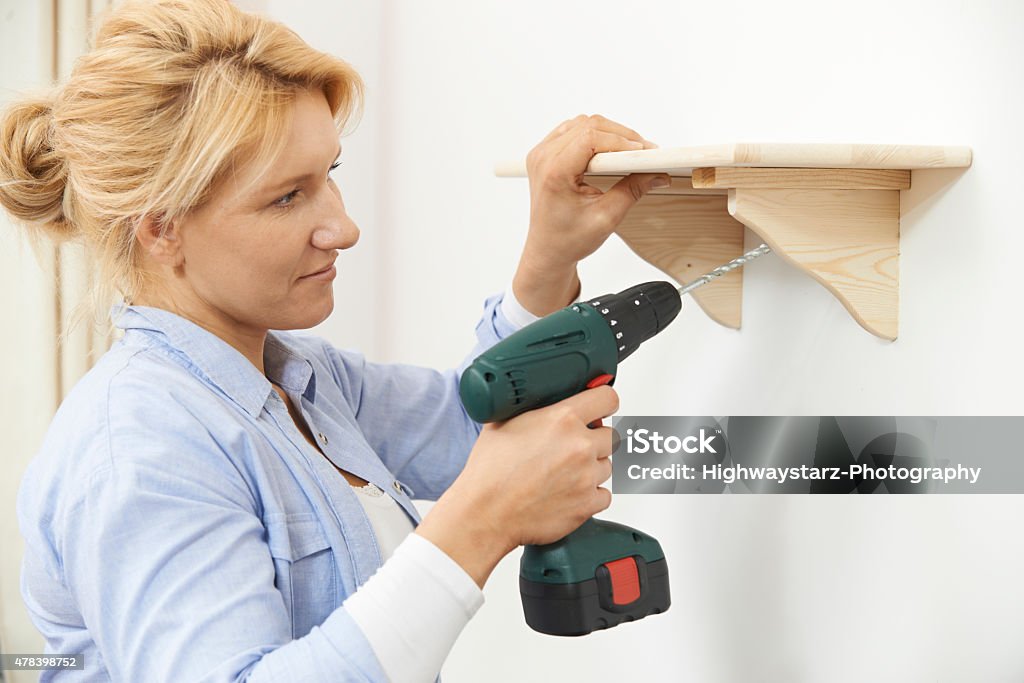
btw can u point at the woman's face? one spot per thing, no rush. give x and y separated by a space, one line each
258 255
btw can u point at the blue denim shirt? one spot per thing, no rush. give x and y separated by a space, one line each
179 528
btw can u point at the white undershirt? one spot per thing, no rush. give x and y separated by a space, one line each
390 523
414 606
514 311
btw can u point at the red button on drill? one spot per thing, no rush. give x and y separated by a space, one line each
625 580
596 382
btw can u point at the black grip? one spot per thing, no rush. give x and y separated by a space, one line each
638 313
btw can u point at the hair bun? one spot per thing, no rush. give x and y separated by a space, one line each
33 176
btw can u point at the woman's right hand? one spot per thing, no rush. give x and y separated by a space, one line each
529 480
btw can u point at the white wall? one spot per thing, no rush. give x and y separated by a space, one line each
357 321
28 345
768 588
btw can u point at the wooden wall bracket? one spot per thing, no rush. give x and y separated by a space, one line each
833 211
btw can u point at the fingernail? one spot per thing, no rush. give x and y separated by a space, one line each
650 145
658 183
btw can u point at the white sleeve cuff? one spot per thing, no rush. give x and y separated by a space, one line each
514 311
413 608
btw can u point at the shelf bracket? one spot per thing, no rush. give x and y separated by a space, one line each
840 226
830 210
685 233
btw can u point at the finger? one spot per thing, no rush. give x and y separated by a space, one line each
602 499
564 127
610 126
593 404
602 438
621 196
601 124
555 140
607 436
582 145
604 470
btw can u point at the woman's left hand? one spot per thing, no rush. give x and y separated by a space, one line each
569 219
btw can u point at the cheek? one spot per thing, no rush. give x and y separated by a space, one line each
251 266
245 267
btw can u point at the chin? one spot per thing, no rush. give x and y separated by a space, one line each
307 315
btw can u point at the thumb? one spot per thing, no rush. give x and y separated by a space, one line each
621 197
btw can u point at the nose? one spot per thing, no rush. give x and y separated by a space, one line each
341 233
334 229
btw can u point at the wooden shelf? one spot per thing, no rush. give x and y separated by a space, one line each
833 211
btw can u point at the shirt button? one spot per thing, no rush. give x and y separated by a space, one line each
322 438
398 486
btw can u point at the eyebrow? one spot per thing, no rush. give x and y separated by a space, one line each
294 179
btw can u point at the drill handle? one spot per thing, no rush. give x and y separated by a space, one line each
543 363
560 354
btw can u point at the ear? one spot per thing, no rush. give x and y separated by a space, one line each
160 240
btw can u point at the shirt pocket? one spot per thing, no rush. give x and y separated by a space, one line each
305 569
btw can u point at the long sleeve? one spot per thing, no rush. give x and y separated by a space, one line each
513 311
414 607
412 416
202 604
177 529
173 575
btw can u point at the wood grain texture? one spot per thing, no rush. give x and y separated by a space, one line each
686 236
848 240
680 185
833 210
681 161
814 178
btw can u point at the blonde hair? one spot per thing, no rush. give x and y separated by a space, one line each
172 95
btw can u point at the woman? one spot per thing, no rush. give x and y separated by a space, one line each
221 500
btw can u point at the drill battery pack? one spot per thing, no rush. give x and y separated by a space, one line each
599 576
623 590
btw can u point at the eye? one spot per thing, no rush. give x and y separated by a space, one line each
334 166
286 200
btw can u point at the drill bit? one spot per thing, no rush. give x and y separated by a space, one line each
722 270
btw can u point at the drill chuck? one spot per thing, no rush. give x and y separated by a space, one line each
638 313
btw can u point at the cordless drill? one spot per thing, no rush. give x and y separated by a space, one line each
603 573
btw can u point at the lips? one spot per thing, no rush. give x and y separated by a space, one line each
321 271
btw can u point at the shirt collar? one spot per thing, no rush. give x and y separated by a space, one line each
222 364
287 367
